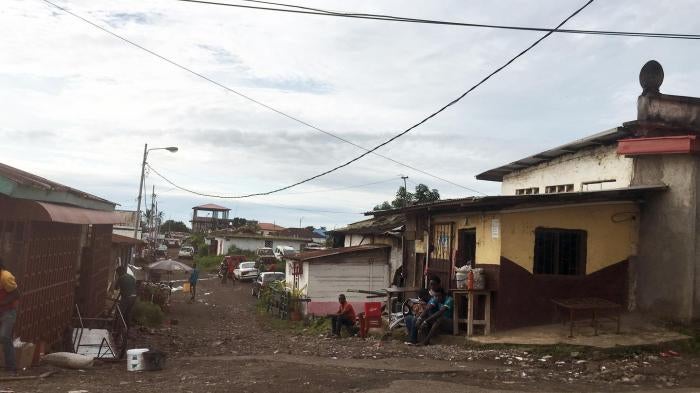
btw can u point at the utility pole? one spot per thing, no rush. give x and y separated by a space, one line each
138 203
153 205
300 218
405 191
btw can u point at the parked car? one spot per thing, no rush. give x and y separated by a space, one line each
186 252
282 252
264 279
246 271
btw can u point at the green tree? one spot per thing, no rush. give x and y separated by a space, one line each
424 194
404 198
174 226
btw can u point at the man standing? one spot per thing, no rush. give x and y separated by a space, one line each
344 317
194 277
126 284
9 298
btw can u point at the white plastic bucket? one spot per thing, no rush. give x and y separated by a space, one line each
134 359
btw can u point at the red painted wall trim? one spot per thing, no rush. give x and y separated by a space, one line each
685 144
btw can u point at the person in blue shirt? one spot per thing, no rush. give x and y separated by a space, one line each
436 318
194 277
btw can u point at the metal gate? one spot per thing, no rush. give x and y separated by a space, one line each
440 263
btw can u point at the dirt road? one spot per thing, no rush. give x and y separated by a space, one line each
221 344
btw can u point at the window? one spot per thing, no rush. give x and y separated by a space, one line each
559 188
527 191
268 243
560 251
595 184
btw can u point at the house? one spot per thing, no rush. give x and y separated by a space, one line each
210 217
123 250
386 230
269 229
57 242
612 215
222 240
324 274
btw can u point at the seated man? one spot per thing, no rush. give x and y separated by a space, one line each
436 318
440 320
344 317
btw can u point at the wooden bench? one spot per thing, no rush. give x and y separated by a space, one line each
597 307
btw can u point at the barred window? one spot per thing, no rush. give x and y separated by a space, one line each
560 251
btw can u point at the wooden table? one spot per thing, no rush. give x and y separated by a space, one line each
471 295
593 305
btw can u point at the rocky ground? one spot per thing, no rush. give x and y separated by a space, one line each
221 343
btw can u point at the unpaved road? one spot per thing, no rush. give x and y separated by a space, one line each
220 344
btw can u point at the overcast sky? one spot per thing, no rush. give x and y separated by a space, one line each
78 104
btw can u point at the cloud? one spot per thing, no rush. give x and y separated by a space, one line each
79 105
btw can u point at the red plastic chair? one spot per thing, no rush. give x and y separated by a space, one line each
371 317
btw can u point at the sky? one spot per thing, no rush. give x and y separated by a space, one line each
78 104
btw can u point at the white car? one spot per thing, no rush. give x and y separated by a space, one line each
186 252
282 252
246 271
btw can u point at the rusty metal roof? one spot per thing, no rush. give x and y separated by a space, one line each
20 184
305 256
603 138
25 209
375 226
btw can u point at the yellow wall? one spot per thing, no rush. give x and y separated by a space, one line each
608 242
488 249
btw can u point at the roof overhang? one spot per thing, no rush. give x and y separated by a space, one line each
316 255
496 203
601 139
677 144
22 209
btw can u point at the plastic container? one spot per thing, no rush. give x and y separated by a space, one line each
134 359
461 279
186 287
479 279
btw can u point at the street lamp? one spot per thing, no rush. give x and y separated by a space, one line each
171 149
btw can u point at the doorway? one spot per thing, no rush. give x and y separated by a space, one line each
466 247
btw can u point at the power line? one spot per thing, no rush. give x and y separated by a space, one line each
443 108
389 18
231 90
424 120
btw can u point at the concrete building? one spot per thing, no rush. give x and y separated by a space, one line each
221 241
269 229
612 215
210 217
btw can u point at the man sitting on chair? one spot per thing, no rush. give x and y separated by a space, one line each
344 317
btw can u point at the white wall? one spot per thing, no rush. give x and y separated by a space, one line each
253 244
601 163
395 255
327 280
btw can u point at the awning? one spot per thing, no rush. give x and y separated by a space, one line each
22 209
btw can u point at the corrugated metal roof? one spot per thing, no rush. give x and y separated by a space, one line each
375 226
119 239
489 203
603 138
29 180
305 256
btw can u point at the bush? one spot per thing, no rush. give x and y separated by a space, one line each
148 314
208 263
